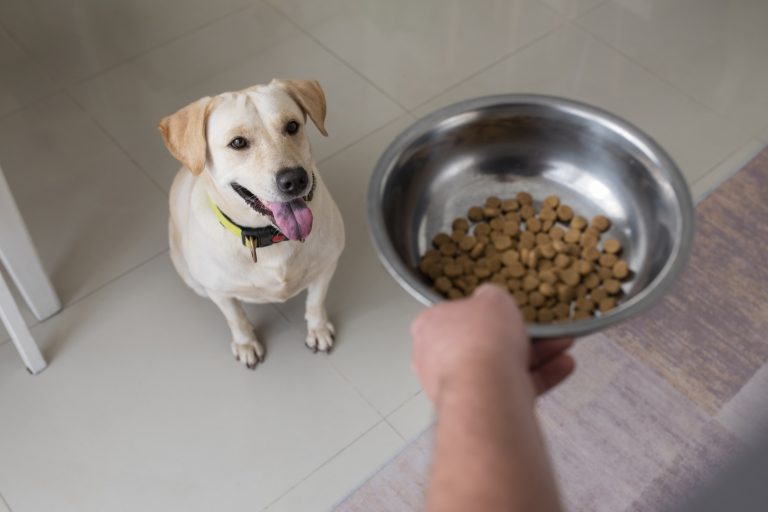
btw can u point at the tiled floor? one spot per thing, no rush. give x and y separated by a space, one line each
143 406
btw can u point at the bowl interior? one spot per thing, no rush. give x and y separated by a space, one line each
593 161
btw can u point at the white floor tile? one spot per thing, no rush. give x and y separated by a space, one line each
250 47
78 38
573 8
437 44
730 166
21 80
143 407
711 49
413 417
371 312
91 212
573 64
332 482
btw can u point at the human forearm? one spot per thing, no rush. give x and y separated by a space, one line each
489 453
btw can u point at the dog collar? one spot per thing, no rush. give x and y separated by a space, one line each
255 238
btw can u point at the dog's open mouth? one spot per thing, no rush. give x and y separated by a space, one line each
293 218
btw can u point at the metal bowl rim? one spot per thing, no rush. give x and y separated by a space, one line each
642 301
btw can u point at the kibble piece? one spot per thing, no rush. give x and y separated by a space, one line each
580 314
511 228
564 213
527 211
547 225
601 222
520 297
475 214
572 236
490 213
501 242
527 240
499 280
593 233
483 228
548 276
460 224
482 272
565 293
583 267
510 205
612 286
562 260
557 233
493 202
562 311
478 250
608 260
585 304
448 249
530 283
605 273
536 299
570 277
443 284
516 270
497 224
547 251
620 269
510 257
548 214
591 254
513 216
453 270
581 291
547 290
607 304
598 294
545 316
457 235
441 239
587 240
552 201
592 281
542 239
467 242
533 224
532 259
529 314
432 254
454 294
494 263
483 239
559 246
578 222
612 246
524 198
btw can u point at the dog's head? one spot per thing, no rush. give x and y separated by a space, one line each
253 144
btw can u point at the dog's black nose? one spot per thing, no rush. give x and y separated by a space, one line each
292 180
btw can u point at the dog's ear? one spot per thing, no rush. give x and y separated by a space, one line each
310 97
184 134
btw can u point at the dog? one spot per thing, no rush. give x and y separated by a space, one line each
250 218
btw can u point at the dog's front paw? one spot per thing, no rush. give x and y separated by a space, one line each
320 338
250 353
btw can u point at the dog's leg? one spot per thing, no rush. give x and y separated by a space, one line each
319 329
245 347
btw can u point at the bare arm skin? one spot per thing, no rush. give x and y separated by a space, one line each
477 365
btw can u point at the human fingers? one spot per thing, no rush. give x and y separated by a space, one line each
552 373
543 351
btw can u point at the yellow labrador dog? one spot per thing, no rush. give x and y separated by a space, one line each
250 217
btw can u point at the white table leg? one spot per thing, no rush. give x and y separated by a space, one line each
13 321
21 260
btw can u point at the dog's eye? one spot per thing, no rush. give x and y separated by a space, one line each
292 127
238 143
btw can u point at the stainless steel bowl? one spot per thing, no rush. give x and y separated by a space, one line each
499 145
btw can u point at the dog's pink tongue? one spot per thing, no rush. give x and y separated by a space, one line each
293 218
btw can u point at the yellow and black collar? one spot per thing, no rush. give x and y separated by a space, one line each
254 238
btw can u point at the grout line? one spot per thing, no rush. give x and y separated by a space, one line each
376 130
492 64
343 61
3 501
325 463
114 141
166 42
659 77
740 164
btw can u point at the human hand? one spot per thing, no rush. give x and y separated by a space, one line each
484 333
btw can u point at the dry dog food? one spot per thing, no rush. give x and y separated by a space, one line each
553 261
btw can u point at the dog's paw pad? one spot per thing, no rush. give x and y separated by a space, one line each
250 354
320 338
